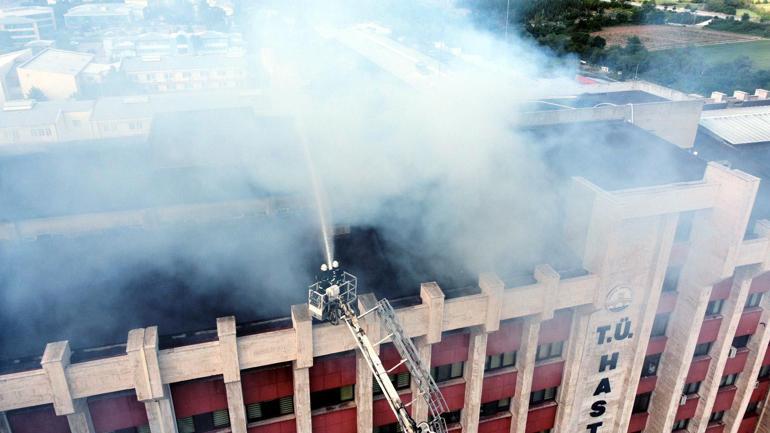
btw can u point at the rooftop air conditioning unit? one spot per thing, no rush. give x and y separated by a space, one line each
733 352
682 400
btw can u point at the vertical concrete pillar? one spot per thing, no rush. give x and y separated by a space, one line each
142 351
56 359
492 286
303 326
525 364
5 426
231 373
419 407
433 297
731 315
574 355
364 378
474 379
80 421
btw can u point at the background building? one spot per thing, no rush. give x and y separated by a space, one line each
37 19
175 73
55 73
102 15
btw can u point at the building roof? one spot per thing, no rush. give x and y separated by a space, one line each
739 126
16 20
103 9
40 113
58 61
146 106
26 10
182 63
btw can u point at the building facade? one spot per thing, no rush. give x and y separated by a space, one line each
37 21
102 16
180 73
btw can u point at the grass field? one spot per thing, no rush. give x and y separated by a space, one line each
758 51
663 37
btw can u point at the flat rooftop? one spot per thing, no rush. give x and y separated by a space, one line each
590 100
58 61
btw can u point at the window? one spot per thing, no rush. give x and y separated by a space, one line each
659 325
451 417
494 407
684 227
399 381
543 395
548 430
691 388
753 300
764 372
442 373
502 360
221 418
650 366
549 350
741 342
714 307
331 397
41 132
135 125
728 380
642 403
702 349
672 276
140 429
204 422
716 416
681 424
752 409
388 428
270 409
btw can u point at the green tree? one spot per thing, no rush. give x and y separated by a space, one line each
36 94
745 17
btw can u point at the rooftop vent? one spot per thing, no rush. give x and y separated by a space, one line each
19 105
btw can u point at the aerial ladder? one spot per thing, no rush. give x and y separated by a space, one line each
332 298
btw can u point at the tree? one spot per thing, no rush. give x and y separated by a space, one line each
36 94
745 17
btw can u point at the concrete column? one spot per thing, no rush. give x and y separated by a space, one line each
56 359
80 421
525 364
303 325
763 426
492 286
574 355
746 380
720 350
364 378
419 407
302 414
474 379
5 426
160 413
231 373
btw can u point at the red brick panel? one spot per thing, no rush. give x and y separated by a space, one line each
724 399
557 328
760 391
382 414
735 365
500 425
40 420
506 339
722 289
197 397
761 283
688 409
749 321
117 413
333 372
541 418
267 385
338 421
390 357
698 369
646 384
667 302
709 329
656 345
498 387
287 426
766 359
748 425
638 422
454 395
452 348
547 375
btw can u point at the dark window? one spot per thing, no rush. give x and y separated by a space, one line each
752 409
204 422
659 325
684 226
716 416
764 372
691 388
501 360
388 428
140 429
548 430
753 300
672 276
741 342
494 407
642 402
714 307
650 366
702 349
400 381
549 350
451 417
442 373
270 409
681 424
728 380
331 397
543 395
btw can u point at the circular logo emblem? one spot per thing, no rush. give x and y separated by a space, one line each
618 299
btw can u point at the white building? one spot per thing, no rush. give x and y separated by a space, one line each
25 20
103 15
56 73
173 73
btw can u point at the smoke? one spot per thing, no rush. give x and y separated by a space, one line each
422 152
